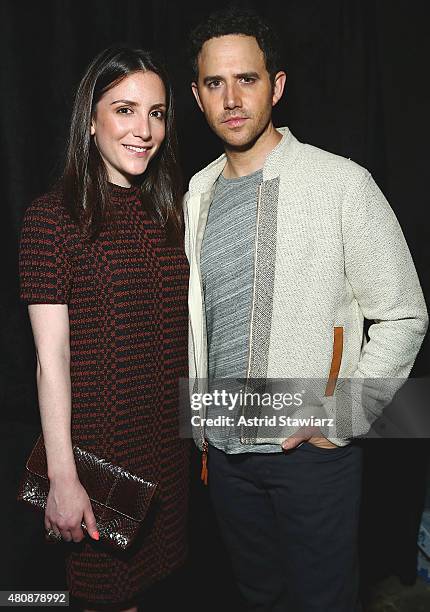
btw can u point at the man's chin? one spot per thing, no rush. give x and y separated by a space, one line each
240 139
238 142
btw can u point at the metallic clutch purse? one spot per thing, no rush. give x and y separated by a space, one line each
120 500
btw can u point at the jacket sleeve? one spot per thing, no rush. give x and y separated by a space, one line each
381 272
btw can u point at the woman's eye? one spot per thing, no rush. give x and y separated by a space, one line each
157 114
124 110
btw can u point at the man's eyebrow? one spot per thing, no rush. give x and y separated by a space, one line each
247 75
214 77
240 75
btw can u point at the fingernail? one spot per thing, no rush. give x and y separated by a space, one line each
95 535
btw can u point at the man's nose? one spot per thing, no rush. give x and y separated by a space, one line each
232 97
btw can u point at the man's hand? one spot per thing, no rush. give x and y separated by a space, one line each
307 434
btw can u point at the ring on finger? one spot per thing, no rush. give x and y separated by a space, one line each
51 535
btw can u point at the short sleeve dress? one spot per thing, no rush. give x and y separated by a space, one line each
127 301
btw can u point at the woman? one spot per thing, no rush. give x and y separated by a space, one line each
105 276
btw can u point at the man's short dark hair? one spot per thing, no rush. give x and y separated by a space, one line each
237 21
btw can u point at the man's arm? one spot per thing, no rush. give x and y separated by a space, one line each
382 275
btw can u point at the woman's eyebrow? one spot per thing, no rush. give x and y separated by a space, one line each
129 102
133 103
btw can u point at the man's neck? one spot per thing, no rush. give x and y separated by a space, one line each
241 163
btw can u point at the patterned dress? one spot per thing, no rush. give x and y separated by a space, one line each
127 300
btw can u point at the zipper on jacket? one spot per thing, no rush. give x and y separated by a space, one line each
251 326
205 444
204 473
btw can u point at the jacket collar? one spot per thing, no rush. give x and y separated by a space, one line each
285 150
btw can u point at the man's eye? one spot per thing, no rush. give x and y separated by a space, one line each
248 79
124 110
213 84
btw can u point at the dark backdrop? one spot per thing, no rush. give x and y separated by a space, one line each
356 87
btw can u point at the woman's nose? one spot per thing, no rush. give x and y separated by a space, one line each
142 128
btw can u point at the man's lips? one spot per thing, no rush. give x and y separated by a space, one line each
235 121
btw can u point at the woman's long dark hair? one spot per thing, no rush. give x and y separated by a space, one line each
85 178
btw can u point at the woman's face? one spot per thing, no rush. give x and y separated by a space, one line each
129 125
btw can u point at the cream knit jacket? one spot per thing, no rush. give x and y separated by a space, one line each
329 252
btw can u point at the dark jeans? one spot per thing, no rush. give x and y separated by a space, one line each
290 523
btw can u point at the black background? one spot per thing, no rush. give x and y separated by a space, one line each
357 72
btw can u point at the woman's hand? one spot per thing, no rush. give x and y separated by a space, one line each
67 506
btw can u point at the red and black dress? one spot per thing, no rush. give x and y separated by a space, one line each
127 300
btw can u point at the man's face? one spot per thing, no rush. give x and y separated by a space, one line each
234 89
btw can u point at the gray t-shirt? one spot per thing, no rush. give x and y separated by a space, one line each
227 265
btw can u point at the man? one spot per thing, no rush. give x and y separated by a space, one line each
290 247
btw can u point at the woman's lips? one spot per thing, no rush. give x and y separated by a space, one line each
137 151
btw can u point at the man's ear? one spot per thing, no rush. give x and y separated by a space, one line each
278 86
195 90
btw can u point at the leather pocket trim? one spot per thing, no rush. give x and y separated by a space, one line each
335 361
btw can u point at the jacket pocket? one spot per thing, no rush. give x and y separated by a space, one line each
335 361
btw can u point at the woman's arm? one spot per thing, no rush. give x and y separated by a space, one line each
68 503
